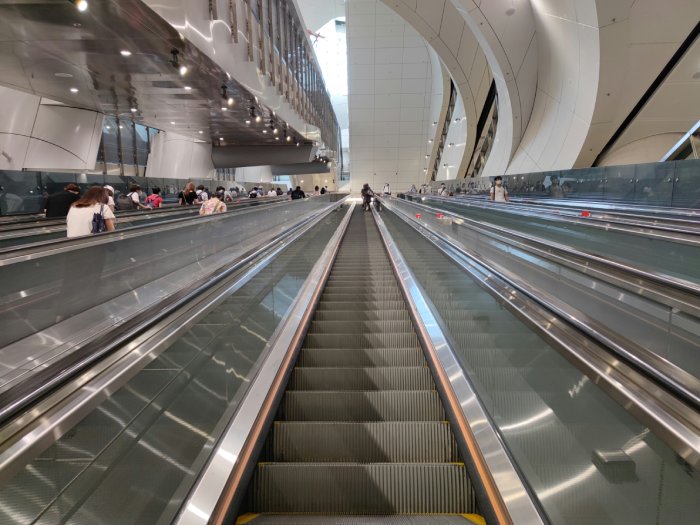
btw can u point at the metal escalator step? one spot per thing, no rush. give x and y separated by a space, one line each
386 340
369 315
378 442
361 325
360 357
392 405
363 295
399 519
360 305
379 488
373 378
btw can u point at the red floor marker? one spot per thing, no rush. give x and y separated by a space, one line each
439 215
417 215
585 213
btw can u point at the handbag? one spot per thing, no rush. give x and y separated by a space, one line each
99 224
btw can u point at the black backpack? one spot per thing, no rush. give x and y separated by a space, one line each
124 202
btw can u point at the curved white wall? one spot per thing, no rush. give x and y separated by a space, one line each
40 134
180 157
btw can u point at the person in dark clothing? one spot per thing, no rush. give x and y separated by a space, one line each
323 190
298 194
58 204
278 191
367 195
188 196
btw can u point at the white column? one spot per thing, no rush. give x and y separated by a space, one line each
179 157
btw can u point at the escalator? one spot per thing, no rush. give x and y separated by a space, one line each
361 429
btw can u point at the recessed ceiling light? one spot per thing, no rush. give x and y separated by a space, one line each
183 70
188 88
224 108
82 5
230 101
63 75
121 127
430 141
427 156
277 138
108 127
200 132
221 138
134 110
258 118
73 90
264 131
275 131
247 121
298 144
289 139
172 122
125 53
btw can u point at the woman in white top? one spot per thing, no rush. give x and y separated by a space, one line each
498 192
80 215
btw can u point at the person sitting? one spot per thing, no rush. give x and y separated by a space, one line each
58 204
297 193
80 218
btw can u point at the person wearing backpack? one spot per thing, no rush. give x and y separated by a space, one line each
90 214
131 200
154 200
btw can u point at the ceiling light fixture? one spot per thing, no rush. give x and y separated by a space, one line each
275 131
289 139
224 108
183 71
63 75
125 53
221 138
134 110
247 121
277 138
82 5
188 88
230 101
74 90
264 131
172 122
200 132
298 144
258 118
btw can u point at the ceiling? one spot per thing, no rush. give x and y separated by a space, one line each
49 47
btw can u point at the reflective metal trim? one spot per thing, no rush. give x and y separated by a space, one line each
212 497
510 499
673 421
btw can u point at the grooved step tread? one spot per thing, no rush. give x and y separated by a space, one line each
392 405
388 339
311 519
376 442
368 378
360 357
356 315
359 325
347 488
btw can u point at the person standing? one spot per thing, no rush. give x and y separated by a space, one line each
498 191
386 190
298 193
214 204
110 197
81 215
188 196
154 200
58 204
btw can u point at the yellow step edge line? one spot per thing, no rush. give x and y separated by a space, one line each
247 518
478 520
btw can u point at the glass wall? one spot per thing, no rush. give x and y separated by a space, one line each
675 184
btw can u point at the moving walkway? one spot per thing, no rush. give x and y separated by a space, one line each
40 230
389 386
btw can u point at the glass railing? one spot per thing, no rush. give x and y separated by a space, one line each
585 458
675 255
622 304
135 457
42 288
675 184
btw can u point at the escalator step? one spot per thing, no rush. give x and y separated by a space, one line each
396 405
379 442
387 339
379 488
351 325
361 305
305 519
374 378
369 315
373 294
360 357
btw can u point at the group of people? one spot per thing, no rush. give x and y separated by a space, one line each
497 193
